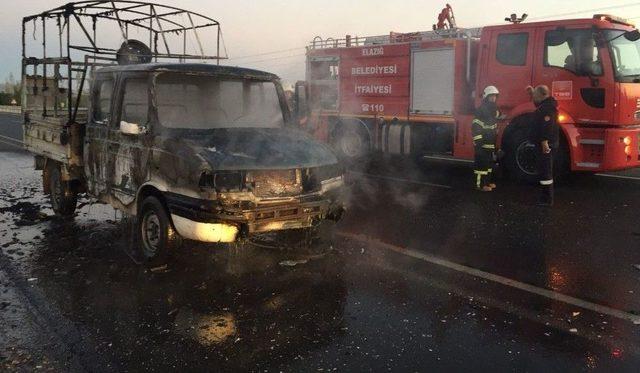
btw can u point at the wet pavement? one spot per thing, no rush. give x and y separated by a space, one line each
368 296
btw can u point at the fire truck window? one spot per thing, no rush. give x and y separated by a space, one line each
326 70
102 109
512 49
573 50
324 84
135 104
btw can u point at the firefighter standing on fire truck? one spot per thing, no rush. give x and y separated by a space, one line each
484 130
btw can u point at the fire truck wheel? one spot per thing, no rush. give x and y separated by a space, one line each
158 238
63 197
351 144
520 156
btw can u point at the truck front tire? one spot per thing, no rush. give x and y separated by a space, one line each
158 238
520 158
63 197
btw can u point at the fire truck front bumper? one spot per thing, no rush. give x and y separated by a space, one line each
604 149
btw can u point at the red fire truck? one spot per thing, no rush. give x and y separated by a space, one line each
415 94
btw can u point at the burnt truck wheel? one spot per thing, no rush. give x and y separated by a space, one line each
158 238
351 144
63 197
520 157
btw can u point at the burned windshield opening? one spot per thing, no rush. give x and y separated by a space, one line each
196 102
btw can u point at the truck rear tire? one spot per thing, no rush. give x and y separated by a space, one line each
351 144
158 238
63 197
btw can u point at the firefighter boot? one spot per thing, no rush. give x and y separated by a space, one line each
546 197
490 180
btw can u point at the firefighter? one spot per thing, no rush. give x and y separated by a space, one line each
546 137
484 129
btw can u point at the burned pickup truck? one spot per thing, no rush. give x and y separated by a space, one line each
196 151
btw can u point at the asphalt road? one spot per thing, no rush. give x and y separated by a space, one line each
422 274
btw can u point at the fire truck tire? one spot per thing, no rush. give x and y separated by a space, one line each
520 156
157 237
63 197
351 143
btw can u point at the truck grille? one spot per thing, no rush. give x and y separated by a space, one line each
272 184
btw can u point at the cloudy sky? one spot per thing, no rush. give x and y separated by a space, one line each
254 30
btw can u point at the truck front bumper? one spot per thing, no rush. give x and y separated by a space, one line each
198 220
604 149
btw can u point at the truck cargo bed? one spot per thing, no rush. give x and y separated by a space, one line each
54 138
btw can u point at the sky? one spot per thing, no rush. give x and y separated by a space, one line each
271 35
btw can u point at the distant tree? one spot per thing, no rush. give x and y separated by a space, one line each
10 91
5 98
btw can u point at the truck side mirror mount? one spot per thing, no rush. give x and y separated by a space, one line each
133 129
633 35
301 106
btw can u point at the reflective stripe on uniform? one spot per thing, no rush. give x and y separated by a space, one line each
483 125
488 146
479 137
546 182
479 175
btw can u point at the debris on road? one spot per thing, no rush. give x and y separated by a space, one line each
160 269
293 263
173 312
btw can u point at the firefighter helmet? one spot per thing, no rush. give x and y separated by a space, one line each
490 90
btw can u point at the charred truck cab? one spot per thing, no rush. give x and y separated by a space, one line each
196 151
212 144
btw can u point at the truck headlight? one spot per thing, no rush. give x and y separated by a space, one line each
223 181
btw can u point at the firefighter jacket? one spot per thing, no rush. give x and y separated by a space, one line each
545 123
485 125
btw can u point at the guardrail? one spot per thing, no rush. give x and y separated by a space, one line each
10 109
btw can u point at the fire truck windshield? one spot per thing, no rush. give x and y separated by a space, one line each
625 55
207 102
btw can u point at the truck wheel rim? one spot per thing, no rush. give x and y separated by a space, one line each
526 158
351 144
150 234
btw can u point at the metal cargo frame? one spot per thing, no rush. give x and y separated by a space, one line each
152 18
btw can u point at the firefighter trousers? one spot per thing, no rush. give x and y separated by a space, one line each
545 171
483 169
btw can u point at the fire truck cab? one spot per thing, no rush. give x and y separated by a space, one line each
415 94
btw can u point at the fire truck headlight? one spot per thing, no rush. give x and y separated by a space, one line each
627 150
627 140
